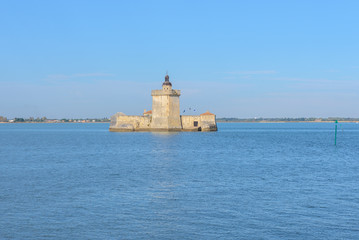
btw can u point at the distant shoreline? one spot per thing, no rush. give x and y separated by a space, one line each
47 122
220 121
290 120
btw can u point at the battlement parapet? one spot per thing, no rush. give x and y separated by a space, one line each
163 92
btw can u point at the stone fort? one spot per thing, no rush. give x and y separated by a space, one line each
164 116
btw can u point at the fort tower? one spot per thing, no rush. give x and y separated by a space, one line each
166 108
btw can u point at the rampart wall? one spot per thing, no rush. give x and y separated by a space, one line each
130 123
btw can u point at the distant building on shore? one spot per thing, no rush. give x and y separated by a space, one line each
164 116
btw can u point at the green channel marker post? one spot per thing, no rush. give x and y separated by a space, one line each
335 138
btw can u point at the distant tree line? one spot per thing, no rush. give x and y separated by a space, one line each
311 119
46 120
105 119
3 119
30 119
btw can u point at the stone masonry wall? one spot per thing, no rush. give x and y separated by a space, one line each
188 122
130 123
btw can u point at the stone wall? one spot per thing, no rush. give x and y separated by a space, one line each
174 118
208 122
121 123
204 123
188 123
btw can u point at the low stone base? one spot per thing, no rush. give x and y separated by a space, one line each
161 130
124 123
145 130
121 130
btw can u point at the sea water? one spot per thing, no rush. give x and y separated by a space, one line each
246 181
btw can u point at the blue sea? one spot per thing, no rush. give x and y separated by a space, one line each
246 181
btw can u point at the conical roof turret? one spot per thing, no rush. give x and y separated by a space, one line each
167 81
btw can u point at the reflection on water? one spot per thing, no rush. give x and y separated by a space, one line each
162 185
165 134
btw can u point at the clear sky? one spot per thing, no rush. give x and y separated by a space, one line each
79 59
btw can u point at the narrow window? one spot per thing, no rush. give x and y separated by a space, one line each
195 123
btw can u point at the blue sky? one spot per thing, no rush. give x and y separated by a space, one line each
79 59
